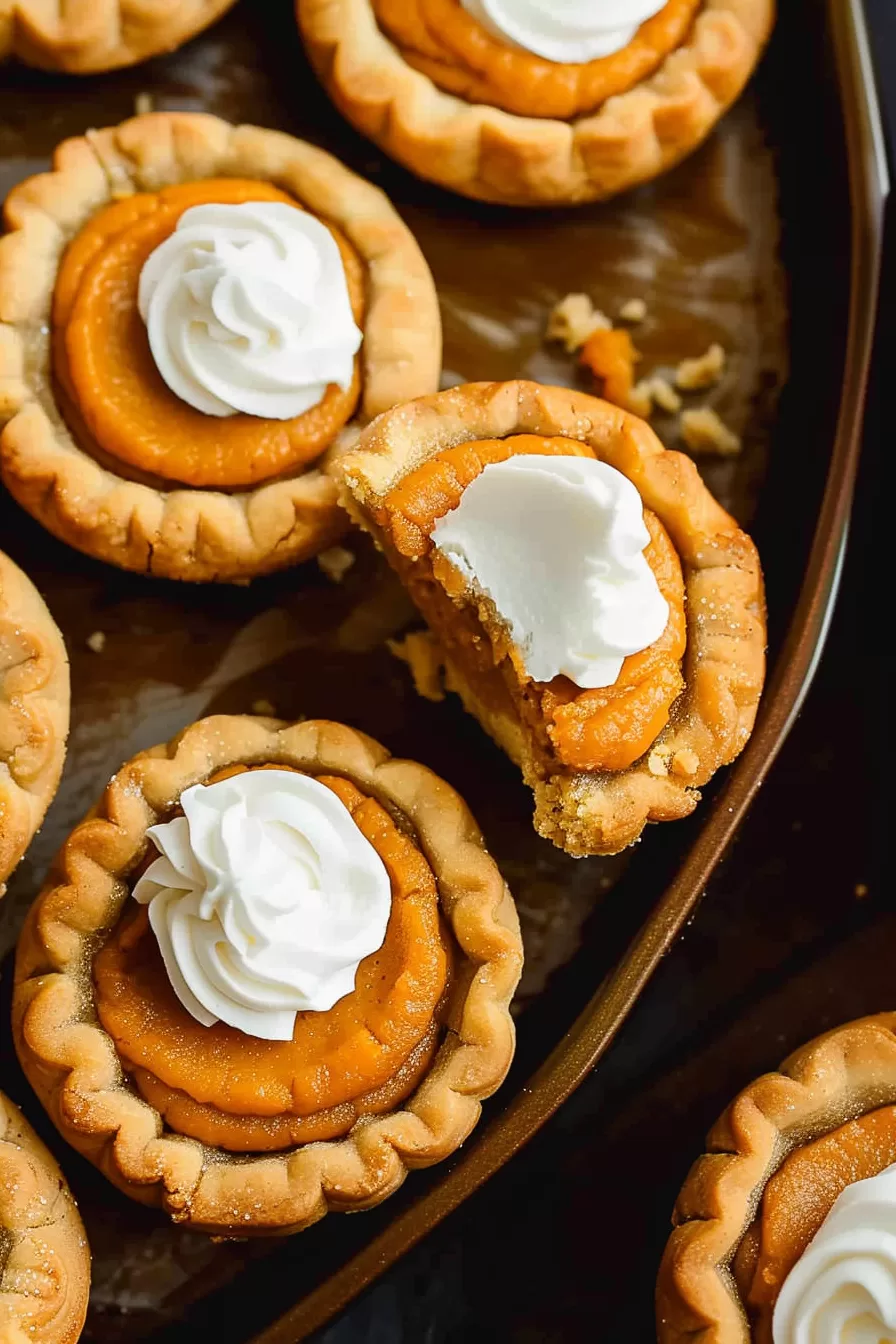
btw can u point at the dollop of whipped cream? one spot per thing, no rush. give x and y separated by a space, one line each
566 31
247 309
557 544
842 1290
264 900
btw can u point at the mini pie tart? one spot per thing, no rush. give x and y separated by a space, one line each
102 34
95 445
775 1163
44 1256
604 762
238 1135
460 107
34 708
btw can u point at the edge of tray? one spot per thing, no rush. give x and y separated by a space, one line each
598 1023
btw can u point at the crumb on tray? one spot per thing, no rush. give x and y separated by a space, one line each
635 310
694 375
97 641
143 104
422 655
335 562
573 320
264 709
705 432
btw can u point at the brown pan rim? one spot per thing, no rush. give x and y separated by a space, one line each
596 1026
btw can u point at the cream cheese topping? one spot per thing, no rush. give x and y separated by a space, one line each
557 544
842 1290
247 310
566 31
264 900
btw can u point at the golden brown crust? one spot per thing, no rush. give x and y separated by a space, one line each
833 1079
492 155
34 708
725 659
193 534
44 1256
72 1063
101 35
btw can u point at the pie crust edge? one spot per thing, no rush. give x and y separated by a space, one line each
192 534
110 36
725 658
73 1065
34 714
835 1078
48 1258
491 155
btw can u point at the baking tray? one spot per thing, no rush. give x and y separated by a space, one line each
767 240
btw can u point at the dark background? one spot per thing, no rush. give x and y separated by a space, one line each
564 1242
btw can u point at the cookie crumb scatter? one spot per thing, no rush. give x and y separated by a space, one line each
704 432
573 320
264 709
421 653
97 641
694 375
635 310
143 104
335 563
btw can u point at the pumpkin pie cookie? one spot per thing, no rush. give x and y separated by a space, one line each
34 704
784 1228
515 102
271 973
102 34
596 610
44 1256
194 319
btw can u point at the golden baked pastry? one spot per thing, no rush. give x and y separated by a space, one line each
44 1256
34 705
169 264
603 754
251 1086
102 34
774 1239
462 104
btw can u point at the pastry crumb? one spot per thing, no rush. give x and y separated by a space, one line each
649 390
685 762
97 641
657 764
860 891
634 310
611 357
422 655
264 709
705 432
143 104
694 375
573 320
335 562
664 394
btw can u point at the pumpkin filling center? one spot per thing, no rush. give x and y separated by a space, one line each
797 1200
111 390
449 45
361 1057
600 729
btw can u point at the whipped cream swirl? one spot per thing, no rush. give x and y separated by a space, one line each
566 31
247 309
842 1290
264 901
557 544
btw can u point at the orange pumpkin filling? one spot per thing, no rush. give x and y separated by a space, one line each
112 390
605 729
363 1056
796 1202
442 40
